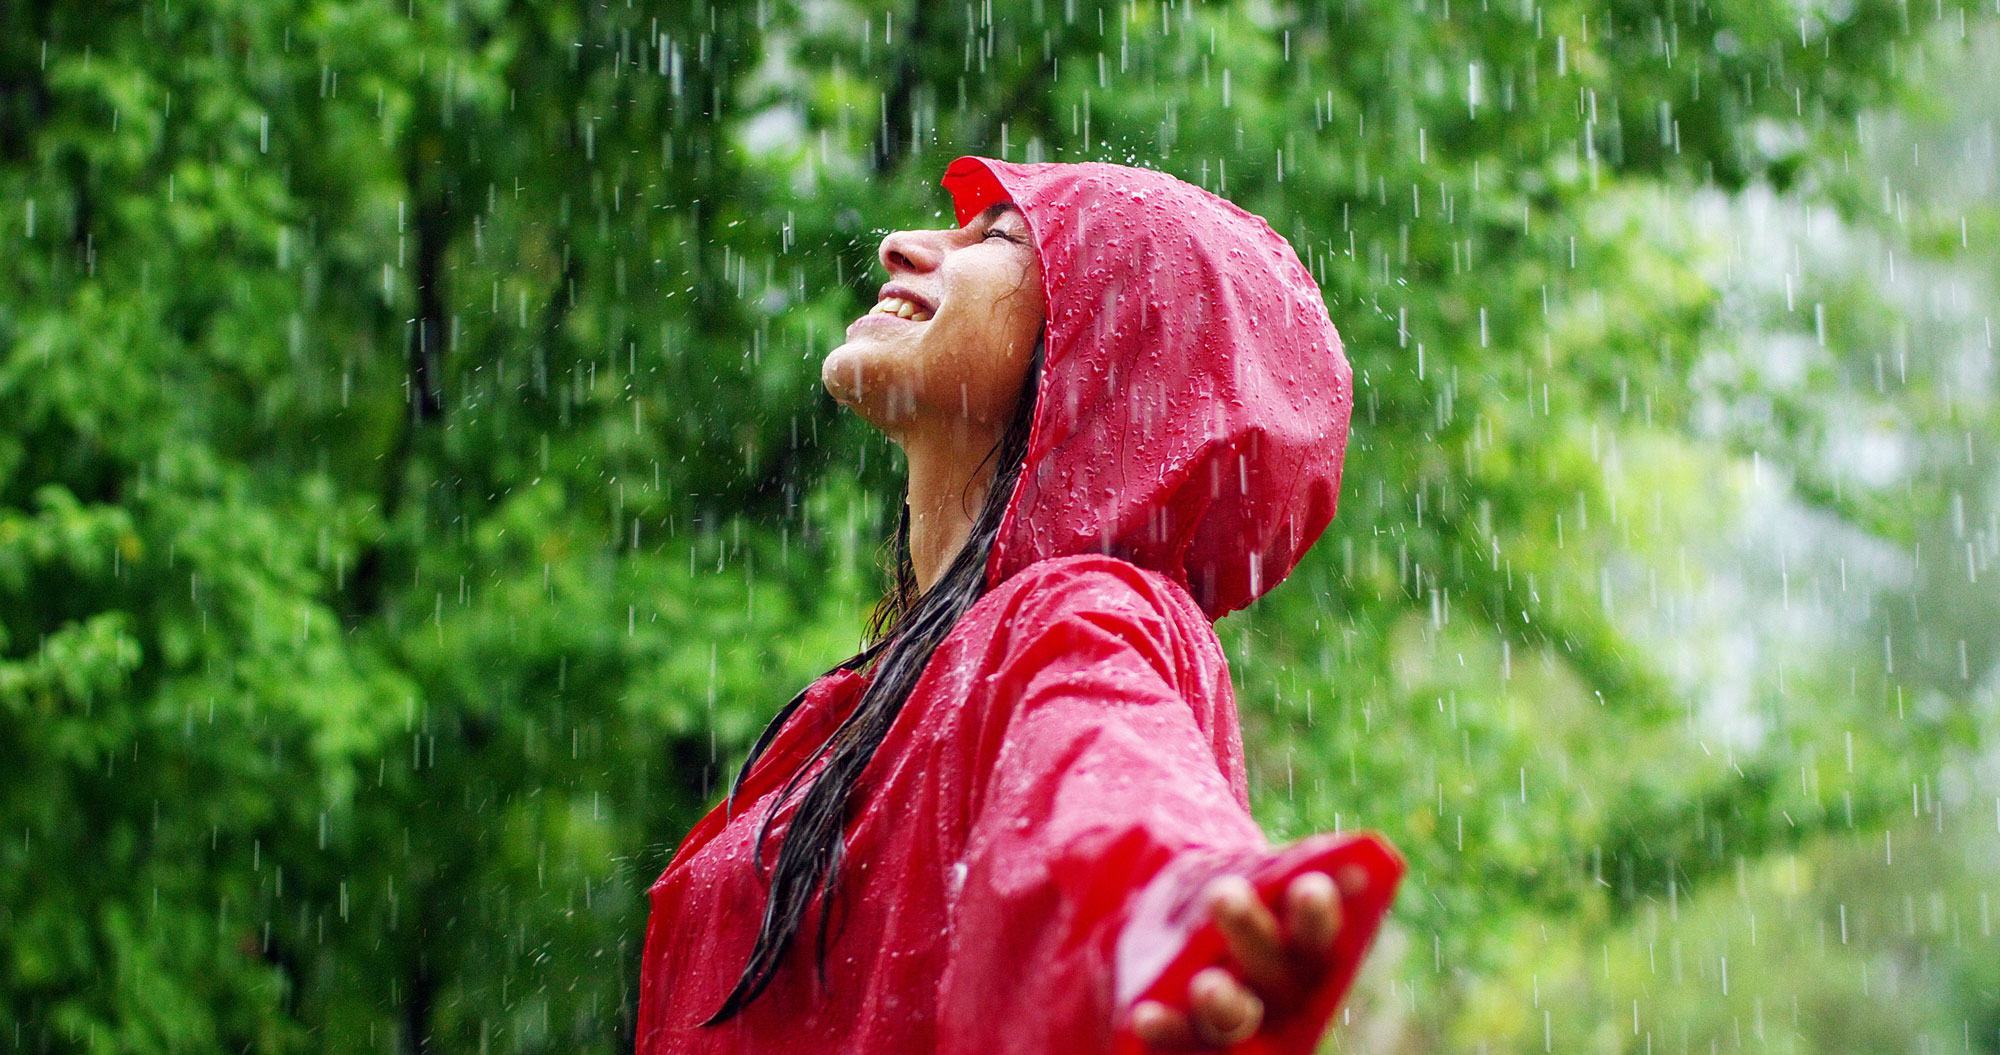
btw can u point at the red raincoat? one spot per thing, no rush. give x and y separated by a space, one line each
1068 772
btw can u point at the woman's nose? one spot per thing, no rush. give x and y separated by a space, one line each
912 251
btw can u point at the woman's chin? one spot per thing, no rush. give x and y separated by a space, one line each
844 373
856 383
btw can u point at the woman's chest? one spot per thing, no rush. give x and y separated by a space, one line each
889 932
899 837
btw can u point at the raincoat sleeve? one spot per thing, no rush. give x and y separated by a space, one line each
1114 794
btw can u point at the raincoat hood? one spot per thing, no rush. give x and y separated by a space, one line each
1193 407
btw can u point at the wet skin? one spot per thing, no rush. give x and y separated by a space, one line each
960 362
943 382
938 366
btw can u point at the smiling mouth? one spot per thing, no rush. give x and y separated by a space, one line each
902 309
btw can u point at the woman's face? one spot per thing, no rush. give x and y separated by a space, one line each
951 336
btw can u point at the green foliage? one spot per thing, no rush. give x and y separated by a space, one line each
415 491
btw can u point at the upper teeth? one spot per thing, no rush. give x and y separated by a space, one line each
901 308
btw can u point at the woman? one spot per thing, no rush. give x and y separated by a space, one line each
1018 821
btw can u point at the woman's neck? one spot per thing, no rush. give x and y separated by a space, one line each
950 471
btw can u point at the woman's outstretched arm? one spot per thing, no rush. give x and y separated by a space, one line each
1110 826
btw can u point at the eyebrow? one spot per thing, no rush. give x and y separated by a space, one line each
996 210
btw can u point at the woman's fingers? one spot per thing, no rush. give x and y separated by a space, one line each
1221 1012
1162 1027
1312 916
1252 935
1225 1011
1275 962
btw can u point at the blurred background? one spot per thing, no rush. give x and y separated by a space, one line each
416 492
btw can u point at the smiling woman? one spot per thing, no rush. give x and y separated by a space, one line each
953 326
939 363
1018 821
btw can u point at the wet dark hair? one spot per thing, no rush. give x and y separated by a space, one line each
904 632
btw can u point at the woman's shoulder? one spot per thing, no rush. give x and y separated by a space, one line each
1089 595
1094 581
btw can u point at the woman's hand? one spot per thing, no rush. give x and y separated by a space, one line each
1275 965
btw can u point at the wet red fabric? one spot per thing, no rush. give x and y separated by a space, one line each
1068 772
